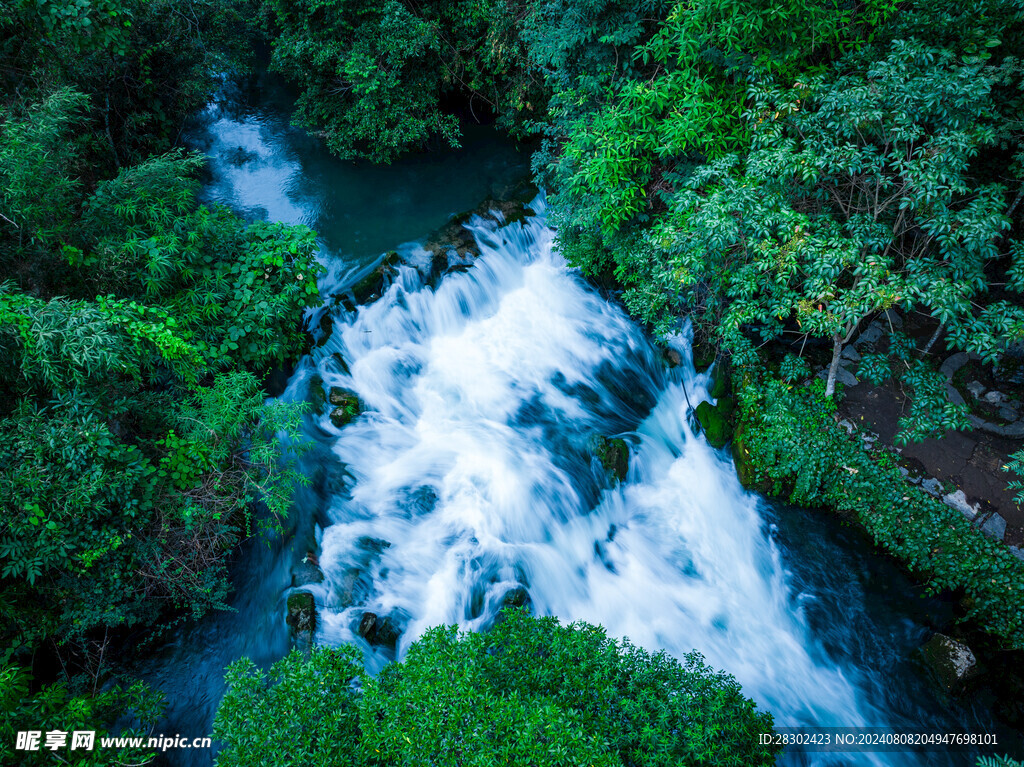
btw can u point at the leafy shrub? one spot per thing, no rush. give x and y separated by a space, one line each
529 692
54 707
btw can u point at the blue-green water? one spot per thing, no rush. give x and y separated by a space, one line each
264 167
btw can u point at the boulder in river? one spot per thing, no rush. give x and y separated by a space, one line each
306 572
380 631
373 285
353 588
346 406
951 662
301 611
613 455
317 396
510 206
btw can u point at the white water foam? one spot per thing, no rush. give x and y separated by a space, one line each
473 463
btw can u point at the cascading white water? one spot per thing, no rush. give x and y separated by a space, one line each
472 462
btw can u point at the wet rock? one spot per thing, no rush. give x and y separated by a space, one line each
517 597
715 420
673 357
976 388
721 380
372 545
703 356
347 406
959 502
378 631
353 588
336 363
373 285
994 527
951 662
306 572
301 611
995 398
326 329
439 263
613 455
454 236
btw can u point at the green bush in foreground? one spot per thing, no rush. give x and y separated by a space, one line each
790 439
530 692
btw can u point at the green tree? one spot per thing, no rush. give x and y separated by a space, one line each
375 76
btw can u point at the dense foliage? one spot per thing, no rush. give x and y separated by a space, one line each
865 179
375 76
56 709
129 444
529 692
135 326
793 444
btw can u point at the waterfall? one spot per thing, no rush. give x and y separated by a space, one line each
471 477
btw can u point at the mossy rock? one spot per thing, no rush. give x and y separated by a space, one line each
715 420
301 611
614 456
346 406
721 385
339 361
372 286
517 597
513 206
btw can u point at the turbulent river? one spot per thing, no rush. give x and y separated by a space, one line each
471 475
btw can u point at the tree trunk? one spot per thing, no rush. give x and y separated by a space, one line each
837 351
